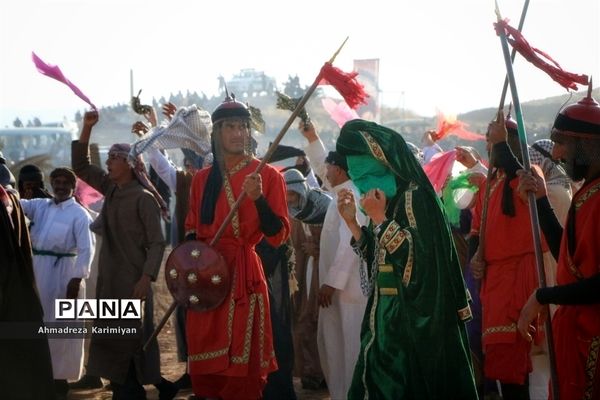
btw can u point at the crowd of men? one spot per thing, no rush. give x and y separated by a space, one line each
345 268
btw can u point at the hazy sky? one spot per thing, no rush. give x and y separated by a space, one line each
433 53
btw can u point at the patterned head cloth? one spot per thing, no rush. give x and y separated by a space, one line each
540 150
540 154
313 202
190 128
123 150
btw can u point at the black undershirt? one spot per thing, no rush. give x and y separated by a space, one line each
270 224
584 291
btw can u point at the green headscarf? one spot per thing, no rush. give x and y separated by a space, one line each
382 145
367 173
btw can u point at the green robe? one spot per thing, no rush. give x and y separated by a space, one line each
413 339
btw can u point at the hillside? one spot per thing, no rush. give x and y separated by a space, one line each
538 114
116 121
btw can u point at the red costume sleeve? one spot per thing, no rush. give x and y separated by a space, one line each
192 218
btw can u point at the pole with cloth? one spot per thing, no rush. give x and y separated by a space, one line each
486 199
534 218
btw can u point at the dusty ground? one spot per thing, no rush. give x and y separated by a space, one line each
170 367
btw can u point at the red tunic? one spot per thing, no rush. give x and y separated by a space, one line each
510 278
577 328
231 348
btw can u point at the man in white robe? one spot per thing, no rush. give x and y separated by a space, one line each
340 296
63 248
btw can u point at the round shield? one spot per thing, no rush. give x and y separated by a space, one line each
197 276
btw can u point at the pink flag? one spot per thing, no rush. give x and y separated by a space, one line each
53 71
439 169
86 194
339 112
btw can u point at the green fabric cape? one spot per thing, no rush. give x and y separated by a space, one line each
413 338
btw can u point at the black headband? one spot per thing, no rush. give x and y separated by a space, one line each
565 123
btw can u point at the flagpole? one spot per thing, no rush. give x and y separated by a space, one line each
486 199
242 196
535 226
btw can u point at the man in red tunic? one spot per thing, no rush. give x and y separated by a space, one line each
576 323
510 269
230 348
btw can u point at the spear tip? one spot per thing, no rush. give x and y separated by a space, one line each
338 50
497 10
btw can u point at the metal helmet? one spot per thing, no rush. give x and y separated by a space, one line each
581 119
230 108
197 276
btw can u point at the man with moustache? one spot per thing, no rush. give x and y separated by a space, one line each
63 248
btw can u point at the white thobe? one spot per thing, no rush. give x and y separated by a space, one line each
338 333
60 229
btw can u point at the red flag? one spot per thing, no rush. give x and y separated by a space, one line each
568 80
345 83
447 125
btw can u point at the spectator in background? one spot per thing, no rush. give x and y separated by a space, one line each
130 258
31 183
430 147
179 182
307 206
63 248
558 183
340 296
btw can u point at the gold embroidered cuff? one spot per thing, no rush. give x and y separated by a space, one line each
389 232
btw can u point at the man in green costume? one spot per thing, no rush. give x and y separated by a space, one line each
413 340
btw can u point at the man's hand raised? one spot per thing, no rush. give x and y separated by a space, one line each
497 129
308 131
90 118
